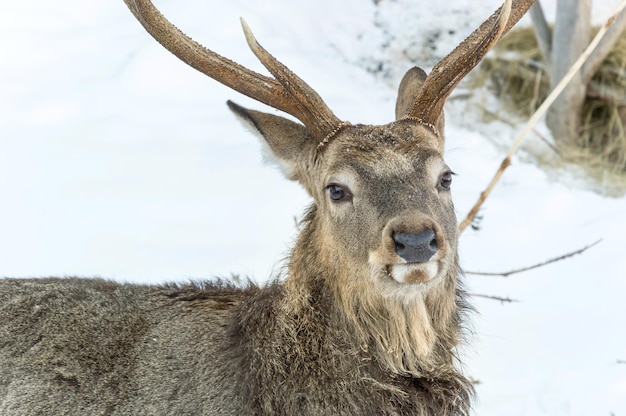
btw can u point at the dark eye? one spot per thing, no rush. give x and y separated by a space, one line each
338 193
446 181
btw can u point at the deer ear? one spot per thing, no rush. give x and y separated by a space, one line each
409 89
284 141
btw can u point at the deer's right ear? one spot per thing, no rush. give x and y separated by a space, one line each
284 140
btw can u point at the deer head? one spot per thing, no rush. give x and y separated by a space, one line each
381 233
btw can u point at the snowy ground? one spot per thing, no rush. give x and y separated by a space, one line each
117 160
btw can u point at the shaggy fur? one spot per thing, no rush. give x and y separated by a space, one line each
89 346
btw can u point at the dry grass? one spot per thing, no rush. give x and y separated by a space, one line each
516 74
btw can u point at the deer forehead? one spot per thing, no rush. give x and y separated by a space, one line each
392 151
388 166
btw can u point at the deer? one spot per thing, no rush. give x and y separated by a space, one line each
367 317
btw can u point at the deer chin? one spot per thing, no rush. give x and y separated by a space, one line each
394 272
407 281
414 273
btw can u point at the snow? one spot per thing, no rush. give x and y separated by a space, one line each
117 160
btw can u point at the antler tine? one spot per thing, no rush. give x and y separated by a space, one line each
316 111
450 70
252 84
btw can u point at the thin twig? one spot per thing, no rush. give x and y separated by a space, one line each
498 298
621 361
535 266
547 142
536 116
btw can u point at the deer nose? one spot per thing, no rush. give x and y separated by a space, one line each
416 248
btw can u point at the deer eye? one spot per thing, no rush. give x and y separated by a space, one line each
446 181
337 193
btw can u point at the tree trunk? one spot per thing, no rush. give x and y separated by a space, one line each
543 34
572 32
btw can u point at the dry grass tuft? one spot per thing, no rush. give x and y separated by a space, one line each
516 74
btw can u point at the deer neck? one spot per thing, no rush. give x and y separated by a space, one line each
414 337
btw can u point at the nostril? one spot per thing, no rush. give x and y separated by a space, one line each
416 247
433 245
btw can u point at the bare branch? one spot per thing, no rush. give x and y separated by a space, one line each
535 118
547 142
542 32
617 23
535 266
484 194
498 298
609 94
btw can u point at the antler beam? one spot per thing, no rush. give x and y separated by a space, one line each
287 93
447 74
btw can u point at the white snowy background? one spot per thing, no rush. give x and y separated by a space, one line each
118 160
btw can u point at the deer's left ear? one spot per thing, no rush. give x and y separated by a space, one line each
285 141
408 91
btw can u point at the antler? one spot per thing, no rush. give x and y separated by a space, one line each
287 92
450 70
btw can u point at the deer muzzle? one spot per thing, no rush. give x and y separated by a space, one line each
413 250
